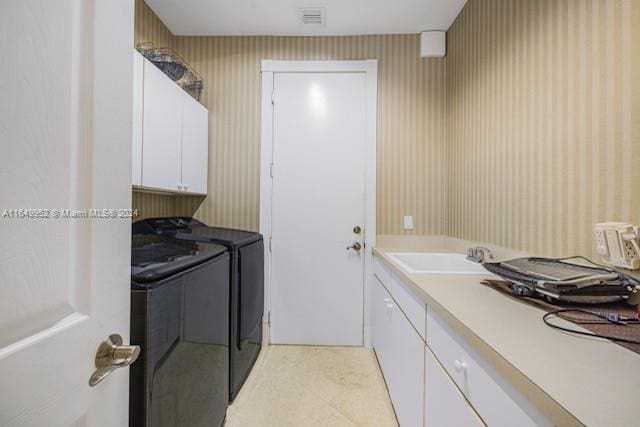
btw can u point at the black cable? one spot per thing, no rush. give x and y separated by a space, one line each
545 319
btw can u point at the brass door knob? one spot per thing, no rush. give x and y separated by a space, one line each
357 229
356 246
112 355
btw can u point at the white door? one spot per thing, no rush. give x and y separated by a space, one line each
195 145
65 132
318 198
162 131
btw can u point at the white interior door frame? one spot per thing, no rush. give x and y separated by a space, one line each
370 69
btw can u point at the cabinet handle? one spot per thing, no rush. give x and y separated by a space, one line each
459 366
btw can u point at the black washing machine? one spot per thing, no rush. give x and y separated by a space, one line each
246 285
180 319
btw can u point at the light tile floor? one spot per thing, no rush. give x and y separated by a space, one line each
313 386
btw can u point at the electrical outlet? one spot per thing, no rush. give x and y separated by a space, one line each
618 244
408 222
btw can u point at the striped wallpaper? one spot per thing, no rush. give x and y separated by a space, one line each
411 123
526 135
543 122
149 28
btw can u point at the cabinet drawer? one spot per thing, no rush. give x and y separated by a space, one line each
444 405
382 272
413 307
497 402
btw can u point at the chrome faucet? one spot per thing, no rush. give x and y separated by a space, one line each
479 254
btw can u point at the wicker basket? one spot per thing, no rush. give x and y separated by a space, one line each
170 63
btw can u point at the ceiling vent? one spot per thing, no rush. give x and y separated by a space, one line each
312 16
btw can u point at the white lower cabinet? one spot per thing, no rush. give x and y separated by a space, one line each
497 401
380 335
444 404
442 382
400 351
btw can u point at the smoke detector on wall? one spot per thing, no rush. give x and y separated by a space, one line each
312 16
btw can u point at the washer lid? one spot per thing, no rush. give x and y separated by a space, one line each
155 257
191 229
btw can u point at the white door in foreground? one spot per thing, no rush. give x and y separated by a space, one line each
318 198
65 132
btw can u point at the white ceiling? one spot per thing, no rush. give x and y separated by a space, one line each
280 17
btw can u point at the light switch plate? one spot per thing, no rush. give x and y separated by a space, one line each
408 222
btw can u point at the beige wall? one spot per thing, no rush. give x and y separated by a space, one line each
411 131
536 137
543 122
411 124
149 28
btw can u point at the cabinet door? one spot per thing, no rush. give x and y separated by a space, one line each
138 82
444 404
380 335
406 371
195 145
162 130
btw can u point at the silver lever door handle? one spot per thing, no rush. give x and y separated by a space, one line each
356 246
112 355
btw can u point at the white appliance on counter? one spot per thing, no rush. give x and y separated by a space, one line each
618 243
170 134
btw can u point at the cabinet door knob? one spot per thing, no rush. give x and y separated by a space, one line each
459 366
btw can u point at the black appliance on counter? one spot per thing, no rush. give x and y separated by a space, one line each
246 285
180 319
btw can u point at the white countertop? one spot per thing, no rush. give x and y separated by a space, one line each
572 380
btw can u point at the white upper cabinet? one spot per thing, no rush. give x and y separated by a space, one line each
138 90
162 131
195 141
170 141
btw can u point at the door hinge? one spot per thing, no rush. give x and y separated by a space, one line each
269 317
271 170
270 239
273 97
